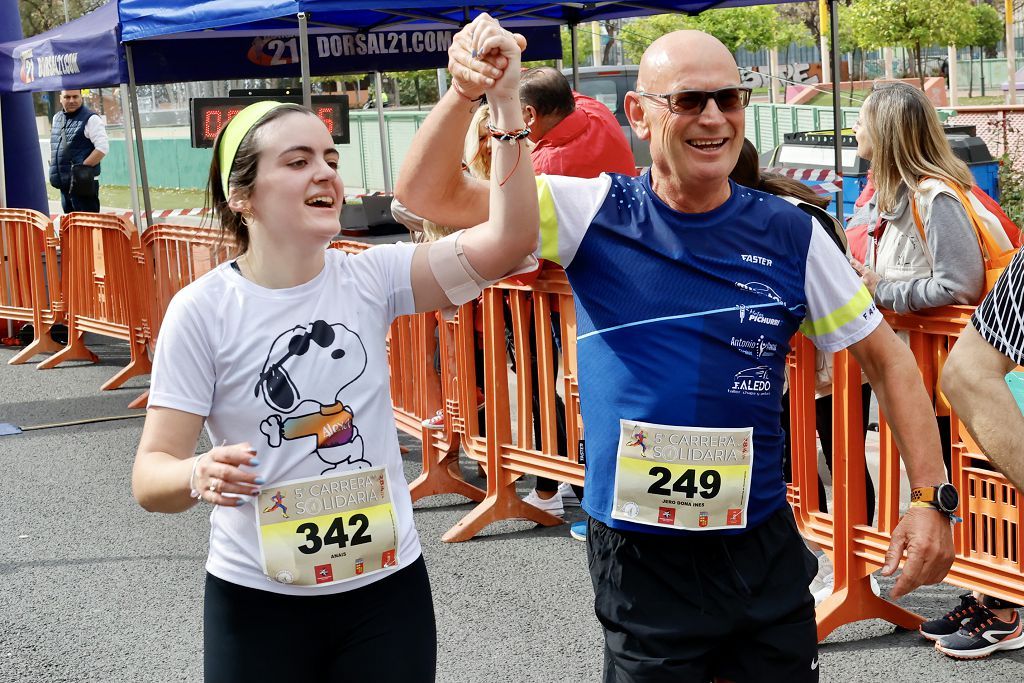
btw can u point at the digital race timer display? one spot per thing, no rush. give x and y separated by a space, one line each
210 114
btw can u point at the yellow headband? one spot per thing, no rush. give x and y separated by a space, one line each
233 133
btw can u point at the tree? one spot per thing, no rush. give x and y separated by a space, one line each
805 13
989 28
611 29
639 33
38 16
417 87
750 28
912 24
584 46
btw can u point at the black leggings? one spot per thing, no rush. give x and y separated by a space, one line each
381 632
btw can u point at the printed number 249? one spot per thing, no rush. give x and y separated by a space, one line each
335 534
686 484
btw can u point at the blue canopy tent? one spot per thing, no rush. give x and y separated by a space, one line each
168 42
80 54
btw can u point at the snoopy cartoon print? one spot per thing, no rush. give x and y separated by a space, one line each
307 368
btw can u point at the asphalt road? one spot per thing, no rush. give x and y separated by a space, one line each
96 589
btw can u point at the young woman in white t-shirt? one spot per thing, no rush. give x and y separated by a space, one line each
314 567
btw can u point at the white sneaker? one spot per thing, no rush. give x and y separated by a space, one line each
569 498
823 583
552 505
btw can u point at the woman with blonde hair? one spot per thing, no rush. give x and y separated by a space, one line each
923 250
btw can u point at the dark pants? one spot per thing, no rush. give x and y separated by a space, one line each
686 609
543 484
69 203
381 632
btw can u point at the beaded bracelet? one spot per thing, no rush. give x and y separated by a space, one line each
192 478
509 136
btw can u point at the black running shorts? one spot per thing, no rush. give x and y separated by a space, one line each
383 632
690 609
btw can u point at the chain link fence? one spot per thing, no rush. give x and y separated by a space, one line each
1002 129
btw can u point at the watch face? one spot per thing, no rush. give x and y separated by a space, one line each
947 498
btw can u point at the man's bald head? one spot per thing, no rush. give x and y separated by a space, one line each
680 54
692 152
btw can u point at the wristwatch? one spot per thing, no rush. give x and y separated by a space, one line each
943 497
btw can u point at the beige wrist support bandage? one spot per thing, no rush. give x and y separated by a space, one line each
452 270
456 276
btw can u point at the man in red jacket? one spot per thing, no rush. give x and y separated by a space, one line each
575 135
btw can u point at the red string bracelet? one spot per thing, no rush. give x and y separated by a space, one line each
519 155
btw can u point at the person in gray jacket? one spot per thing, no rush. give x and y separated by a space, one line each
922 250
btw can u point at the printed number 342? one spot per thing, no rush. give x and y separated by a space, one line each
686 484
335 534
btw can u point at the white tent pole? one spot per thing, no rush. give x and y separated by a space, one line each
951 66
3 173
137 126
129 150
385 154
837 112
442 82
887 59
307 97
3 241
823 13
574 42
1011 56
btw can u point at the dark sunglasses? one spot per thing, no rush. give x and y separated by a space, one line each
692 102
275 379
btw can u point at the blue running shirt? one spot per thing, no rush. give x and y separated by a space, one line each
686 319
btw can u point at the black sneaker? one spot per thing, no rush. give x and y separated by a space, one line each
984 634
951 621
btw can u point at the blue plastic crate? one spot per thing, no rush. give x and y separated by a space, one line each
986 176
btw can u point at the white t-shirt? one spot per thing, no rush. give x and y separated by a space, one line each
249 358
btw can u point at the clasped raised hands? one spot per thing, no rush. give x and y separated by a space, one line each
485 58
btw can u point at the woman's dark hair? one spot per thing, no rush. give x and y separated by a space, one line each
243 176
748 172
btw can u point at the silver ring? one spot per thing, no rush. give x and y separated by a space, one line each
214 485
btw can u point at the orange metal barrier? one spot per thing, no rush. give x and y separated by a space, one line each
30 286
987 543
105 290
441 471
505 446
177 255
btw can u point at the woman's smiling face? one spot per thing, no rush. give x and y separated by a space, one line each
298 191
